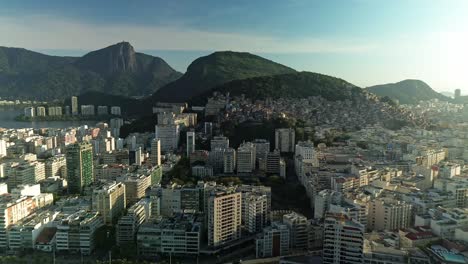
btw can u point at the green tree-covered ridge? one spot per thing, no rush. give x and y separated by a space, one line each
206 72
116 69
407 91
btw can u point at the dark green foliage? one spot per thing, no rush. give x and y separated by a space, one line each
114 70
249 131
292 85
129 106
220 67
180 173
407 92
143 124
288 195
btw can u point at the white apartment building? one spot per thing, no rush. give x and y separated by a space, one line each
262 148
246 158
224 217
178 235
87 110
109 200
445 221
76 232
202 171
285 138
74 105
23 235
128 224
343 240
388 213
115 110
3 148
155 155
190 143
305 158
219 142
168 136
298 226
273 242
102 110
135 186
229 160
54 110
40 111
255 213
56 166
29 112
20 173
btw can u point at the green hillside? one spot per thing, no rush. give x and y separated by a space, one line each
407 91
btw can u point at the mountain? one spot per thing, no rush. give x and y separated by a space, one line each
217 68
116 69
290 85
448 94
407 91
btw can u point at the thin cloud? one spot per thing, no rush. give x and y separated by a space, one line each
43 32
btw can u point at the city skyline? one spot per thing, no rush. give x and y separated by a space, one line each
364 42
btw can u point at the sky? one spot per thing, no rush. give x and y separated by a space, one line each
365 42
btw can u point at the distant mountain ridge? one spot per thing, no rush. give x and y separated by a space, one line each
407 91
116 69
206 72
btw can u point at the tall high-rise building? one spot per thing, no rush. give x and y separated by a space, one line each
115 110
255 214
219 142
273 242
109 200
54 111
127 225
169 136
190 143
155 155
298 229
305 158
40 111
229 160
138 156
224 217
285 138
79 166
29 112
20 173
102 110
246 158
262 148
74 105
457 93
115 125
3 148
208 129
343 240
87 110
273 162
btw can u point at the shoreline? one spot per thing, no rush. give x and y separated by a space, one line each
22 118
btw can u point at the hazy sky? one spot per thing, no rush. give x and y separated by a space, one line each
366 42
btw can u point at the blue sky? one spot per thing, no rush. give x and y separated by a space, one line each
363 41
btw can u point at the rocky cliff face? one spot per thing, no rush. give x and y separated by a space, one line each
118 58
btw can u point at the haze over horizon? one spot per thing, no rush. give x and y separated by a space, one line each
364 42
